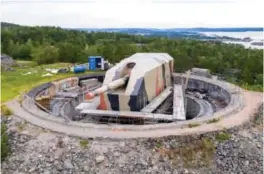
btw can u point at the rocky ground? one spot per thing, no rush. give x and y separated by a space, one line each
35 150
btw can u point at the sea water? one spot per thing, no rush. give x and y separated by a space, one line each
256 36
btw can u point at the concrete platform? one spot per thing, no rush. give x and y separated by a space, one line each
178 103
157 100
127 114
241 105
252 100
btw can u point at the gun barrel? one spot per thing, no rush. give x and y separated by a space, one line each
112 85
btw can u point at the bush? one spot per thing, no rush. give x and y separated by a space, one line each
214 120
4 142
84 143
222 136
191 125
196 154
6 111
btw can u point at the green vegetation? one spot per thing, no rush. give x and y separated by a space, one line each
222 136
199 153
14 82
84 143
47 45
5 110
25 63
158 145
214 120
191 125
257 87
258 118
4 142
21 126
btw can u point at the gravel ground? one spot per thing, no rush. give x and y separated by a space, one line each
35 150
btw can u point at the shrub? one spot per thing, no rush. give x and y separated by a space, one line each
159 145
222 136
84 143
214 120
199 153
4 142
21 125
191 125
5 110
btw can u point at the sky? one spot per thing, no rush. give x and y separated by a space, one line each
134 13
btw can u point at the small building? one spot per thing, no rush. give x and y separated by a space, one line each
96 62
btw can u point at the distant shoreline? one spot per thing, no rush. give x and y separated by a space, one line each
248 37
246 29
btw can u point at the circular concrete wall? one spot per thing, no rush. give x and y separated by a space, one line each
230 94
193 108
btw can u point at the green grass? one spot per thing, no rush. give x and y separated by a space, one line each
244 85
214 120
159 145
21 126
26 63
191 125
14 83
4 142
198 153
220 137
6 111
258 88
84 143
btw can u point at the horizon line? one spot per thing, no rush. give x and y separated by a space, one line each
197 27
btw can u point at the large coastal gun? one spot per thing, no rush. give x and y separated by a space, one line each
134 82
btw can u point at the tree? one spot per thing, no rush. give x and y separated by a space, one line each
47 54
24 52
259 79
108 51
52 44
90 50
69 52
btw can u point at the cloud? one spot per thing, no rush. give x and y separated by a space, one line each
134 13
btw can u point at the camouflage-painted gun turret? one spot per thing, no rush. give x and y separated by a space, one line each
134 82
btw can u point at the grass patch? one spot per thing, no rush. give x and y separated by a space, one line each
199 153
5 110
21 126
20 99
84 143
258 88
214 120
258 118
4 142
14 82
191 125
25 63
158 145
255 87
220 137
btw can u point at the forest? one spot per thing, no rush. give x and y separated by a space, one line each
53 44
